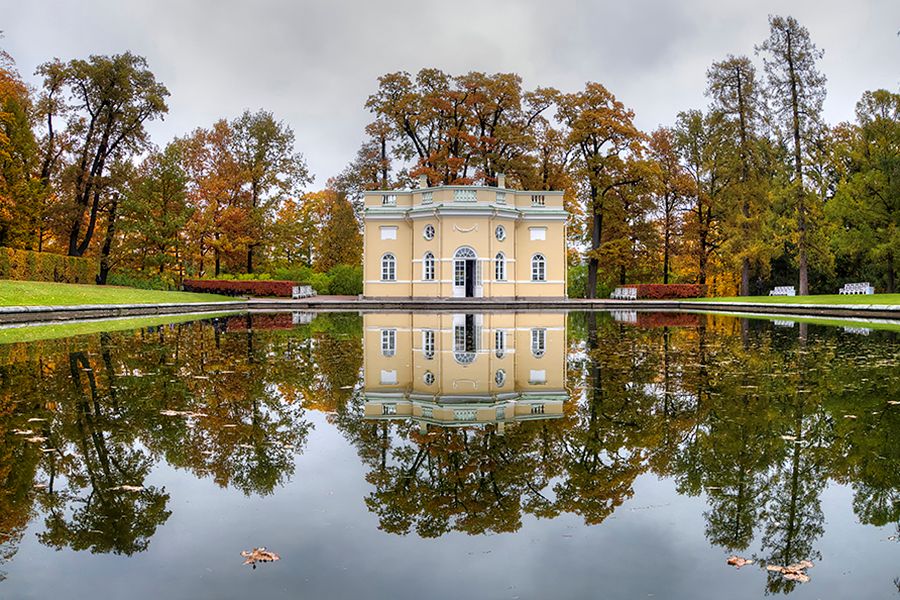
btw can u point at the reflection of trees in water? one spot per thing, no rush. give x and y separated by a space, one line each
716 407
98 402
706 406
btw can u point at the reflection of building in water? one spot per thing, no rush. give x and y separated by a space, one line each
460 369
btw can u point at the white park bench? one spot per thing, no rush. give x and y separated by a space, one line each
624 293
856 289
302 291
784 290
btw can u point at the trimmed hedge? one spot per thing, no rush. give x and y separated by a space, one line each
25 265
233 287
668 291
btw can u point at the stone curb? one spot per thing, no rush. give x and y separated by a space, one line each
44 314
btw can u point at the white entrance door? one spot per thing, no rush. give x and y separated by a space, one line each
466 274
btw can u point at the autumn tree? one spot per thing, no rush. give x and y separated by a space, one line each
732 85
707 156
866 206
105 101
155 212
339 241
796 91
272 170
671 186
600 130
21 192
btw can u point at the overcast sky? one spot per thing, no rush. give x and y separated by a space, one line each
314 63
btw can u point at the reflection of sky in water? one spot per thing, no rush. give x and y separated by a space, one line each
653 545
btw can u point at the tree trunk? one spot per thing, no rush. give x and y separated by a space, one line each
890 273
108 242
666 253
218 262
745 276
798 174
250 258
594 262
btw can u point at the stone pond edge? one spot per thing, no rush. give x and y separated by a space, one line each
48 314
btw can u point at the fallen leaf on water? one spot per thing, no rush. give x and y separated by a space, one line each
259 555
36 420
794 572
127 488
789 438
894 402
23 432
849 416
36 439
738 561
170 413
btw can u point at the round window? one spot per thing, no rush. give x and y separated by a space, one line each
500 377
429 232
428 377
500 232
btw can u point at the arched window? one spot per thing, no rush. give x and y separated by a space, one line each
538 342
538 268
500 267
388 267
428 343
428 267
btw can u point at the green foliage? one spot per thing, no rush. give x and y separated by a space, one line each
24 265
346 280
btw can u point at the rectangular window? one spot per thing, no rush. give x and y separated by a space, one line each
500 343
389 409
428 343
389 199
537 409
459 338
501 413
464 196
537 200
388 269
388 232
388 342
537 376
538 342
538 233
538 269
501 197
427 197
459 273
500 269
427 411
388 377
428 268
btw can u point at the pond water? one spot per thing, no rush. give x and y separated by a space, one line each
505 455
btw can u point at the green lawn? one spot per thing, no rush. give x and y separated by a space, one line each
823 299
36 293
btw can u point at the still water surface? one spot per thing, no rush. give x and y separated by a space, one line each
503 455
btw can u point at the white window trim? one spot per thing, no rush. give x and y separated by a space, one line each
538 342
428 343
388 232
428 267
500 267
539 268
388 342
388 267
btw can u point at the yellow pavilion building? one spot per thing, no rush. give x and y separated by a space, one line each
456 370
464 242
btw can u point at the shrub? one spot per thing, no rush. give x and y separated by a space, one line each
25 265
346 280
663 291
321 282
230 287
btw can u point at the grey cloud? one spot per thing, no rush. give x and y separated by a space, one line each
314 63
